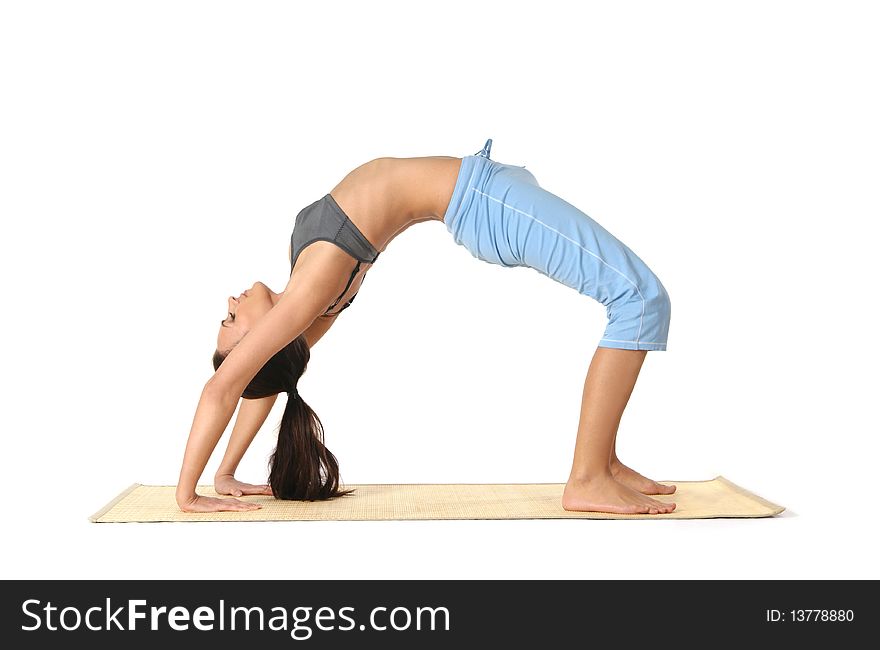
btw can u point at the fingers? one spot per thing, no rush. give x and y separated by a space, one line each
210 504
224 505
234 505
247 488
247 506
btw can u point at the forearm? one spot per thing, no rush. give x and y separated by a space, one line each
213 413
252 413
238 444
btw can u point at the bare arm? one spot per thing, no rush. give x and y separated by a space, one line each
308 294
318 328
252 413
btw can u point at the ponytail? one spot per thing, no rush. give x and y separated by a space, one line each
301 468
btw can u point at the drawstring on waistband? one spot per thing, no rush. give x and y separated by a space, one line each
485 150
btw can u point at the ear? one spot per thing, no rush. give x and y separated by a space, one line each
310 292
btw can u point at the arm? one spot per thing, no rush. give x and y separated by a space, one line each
252 413
318 328
310 294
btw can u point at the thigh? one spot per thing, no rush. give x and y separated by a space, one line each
552 236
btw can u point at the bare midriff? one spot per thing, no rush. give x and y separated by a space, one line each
387 195
384 197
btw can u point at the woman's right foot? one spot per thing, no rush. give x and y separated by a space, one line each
604 494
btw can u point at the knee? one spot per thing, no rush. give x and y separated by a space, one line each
657 300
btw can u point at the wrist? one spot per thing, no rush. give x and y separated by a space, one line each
185 498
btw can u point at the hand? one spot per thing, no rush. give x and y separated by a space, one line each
212 504
227 484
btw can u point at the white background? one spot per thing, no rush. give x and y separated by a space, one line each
153 156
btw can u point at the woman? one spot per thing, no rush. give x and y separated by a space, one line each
501 215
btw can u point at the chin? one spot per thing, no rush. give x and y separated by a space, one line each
259 286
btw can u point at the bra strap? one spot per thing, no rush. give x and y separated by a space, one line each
350 280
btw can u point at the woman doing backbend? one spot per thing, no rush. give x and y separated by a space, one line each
502 216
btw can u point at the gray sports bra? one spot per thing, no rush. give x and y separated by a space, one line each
324 220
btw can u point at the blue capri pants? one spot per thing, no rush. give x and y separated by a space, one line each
501 215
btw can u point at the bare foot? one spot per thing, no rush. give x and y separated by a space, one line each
631 478
604 494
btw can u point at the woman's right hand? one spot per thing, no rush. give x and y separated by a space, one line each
213 504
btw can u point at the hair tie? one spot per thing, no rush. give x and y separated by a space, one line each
293 393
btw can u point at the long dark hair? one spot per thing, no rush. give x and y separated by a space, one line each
301 468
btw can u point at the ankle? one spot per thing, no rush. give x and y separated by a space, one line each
587 477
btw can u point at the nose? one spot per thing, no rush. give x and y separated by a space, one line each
244 294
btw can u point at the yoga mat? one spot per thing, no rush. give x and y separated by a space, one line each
695 500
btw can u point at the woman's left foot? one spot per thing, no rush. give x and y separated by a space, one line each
636 481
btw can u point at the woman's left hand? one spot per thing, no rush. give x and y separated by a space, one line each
227 484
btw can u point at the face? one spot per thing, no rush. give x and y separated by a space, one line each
243 312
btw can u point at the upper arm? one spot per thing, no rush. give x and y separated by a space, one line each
318 328
309 293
